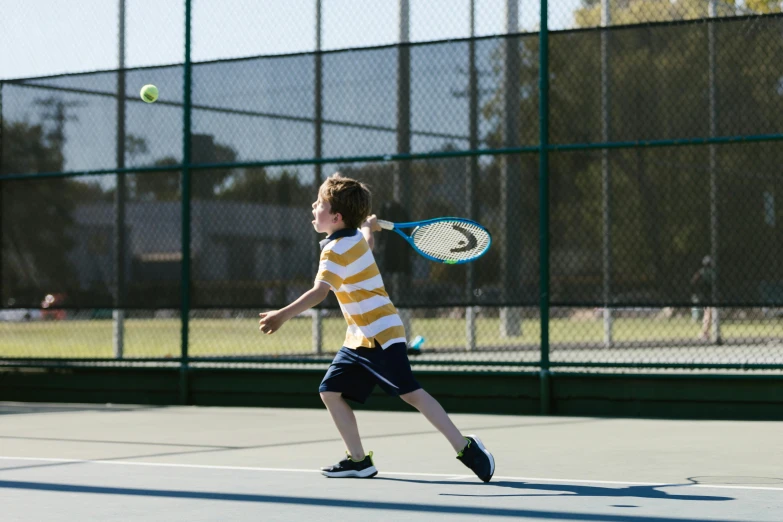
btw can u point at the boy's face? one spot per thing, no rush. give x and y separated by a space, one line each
325 222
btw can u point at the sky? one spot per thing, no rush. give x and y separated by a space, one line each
48 37
40 38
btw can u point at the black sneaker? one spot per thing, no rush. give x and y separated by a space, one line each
476 457
351 468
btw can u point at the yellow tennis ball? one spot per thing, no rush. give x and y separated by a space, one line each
149 93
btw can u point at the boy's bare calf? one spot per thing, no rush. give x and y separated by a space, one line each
345 420
430 408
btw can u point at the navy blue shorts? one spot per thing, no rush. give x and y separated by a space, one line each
354 372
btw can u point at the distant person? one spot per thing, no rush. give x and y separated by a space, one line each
375 350
702 282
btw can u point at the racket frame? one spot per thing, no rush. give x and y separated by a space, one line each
388 225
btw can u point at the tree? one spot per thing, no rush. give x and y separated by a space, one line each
135 146
158 186
208 183
165 186
255 185
659 89
37 218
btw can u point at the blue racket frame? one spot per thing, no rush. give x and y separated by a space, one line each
416 224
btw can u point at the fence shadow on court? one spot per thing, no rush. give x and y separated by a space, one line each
355 504
532 489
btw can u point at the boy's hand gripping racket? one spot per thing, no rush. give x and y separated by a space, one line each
449 240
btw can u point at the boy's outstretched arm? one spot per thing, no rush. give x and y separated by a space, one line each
271 322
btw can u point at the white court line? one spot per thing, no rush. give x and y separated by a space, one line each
734 487
448 476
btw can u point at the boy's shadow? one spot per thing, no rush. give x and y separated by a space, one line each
561 489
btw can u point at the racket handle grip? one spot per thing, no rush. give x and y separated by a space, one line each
386 225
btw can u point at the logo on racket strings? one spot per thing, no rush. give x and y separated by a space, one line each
469 243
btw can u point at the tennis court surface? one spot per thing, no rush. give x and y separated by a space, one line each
95 462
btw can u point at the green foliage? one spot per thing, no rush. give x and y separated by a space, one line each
166 186
764 6
626 12
658 87
252 185
36 217
255 185
157 186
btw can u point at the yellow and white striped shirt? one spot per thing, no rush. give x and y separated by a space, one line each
348 266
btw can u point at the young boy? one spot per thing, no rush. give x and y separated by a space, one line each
375 350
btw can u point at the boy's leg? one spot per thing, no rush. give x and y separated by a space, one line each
395 376
345 420
357 464
470 450
434 412
345 378
395 368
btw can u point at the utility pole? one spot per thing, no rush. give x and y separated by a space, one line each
317 326
510 179
118 314
402 177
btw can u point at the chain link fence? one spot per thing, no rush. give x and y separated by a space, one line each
661 180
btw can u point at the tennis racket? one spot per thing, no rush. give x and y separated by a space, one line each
449 240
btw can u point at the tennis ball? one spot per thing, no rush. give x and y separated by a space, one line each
149 93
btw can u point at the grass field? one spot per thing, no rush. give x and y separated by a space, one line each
240 337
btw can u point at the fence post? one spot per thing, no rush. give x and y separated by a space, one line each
714 239
472 183
118 314
185 282
606 179
543 165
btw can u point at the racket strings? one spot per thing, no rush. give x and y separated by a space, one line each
451 240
